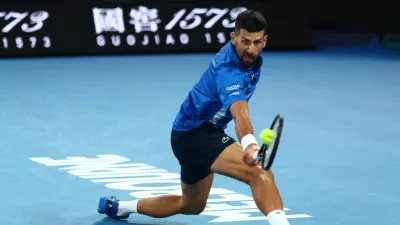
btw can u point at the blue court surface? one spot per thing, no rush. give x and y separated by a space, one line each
74 129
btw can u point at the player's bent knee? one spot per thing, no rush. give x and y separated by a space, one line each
194 211
270 174
261 175
193 208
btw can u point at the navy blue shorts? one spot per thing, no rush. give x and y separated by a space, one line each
197 149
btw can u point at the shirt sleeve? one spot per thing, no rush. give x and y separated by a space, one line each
230 86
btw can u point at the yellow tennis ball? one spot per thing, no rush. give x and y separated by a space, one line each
267 136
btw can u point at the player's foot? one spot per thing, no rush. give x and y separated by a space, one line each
109 206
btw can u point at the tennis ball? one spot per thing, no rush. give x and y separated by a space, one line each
267 136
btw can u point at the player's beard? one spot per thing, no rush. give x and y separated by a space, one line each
248 59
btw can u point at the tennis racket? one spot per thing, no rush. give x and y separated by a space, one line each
267 153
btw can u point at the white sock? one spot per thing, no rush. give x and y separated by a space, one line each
277 217
127 207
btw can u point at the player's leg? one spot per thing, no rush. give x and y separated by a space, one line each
192 201
265 192
195 159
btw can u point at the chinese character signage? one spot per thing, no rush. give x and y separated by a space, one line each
108 20
145 27
144 19
124 26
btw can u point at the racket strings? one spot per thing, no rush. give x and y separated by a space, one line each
270 148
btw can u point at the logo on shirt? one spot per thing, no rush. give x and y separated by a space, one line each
234 93
233 87
253 77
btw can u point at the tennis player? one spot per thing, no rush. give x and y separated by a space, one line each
198 139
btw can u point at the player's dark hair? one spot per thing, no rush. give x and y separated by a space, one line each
251 21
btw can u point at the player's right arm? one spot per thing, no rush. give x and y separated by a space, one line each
231 88
244 130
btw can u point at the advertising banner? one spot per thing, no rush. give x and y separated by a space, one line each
103 27
29 30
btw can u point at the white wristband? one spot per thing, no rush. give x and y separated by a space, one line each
247 140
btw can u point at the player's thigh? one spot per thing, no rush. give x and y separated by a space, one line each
230 163
195 152
194 196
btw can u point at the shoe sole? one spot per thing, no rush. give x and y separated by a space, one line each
103 204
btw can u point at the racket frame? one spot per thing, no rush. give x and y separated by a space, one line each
262 153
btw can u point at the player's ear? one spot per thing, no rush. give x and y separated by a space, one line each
233 37
265 40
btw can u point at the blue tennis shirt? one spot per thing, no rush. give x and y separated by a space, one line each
225 81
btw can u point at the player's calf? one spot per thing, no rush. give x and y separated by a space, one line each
192 202
263 187
265 192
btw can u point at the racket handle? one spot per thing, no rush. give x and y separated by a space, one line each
255 156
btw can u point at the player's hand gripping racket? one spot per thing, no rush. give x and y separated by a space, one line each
267 153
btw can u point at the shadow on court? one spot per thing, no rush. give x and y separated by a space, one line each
133 221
